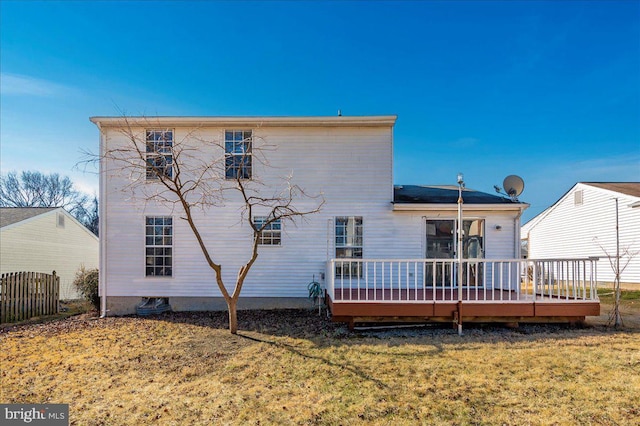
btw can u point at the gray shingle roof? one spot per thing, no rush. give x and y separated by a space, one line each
433 194
628 188
11 215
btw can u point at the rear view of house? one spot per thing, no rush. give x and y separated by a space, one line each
378 250
43 239
593 219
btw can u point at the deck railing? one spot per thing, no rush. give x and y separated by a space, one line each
424 280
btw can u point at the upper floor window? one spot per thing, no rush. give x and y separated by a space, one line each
237 154
158 246
271 234
159 153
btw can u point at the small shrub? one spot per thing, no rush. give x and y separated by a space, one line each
86 282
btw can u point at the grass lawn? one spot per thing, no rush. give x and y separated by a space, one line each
294 367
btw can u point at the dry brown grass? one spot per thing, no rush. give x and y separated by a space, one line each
629 308
293 367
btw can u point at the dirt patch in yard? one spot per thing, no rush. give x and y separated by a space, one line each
629 309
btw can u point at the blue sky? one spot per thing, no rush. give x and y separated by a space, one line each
548 90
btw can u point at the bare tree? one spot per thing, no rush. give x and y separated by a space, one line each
618 263
35 189
89 215
195 173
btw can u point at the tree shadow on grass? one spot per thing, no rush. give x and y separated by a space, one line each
353 369
321 332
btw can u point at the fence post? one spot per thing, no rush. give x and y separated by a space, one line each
13 310
38 299
56 292
28 312
45 289
9 293
3 298
19 286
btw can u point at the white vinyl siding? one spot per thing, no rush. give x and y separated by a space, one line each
567 230
350 166
320 160
39 244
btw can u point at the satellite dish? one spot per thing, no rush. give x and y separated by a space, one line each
513 185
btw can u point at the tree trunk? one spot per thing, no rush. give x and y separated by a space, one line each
617 318
233 315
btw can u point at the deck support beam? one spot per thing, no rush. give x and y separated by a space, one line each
358 306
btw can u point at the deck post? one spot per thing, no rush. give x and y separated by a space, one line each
459 251
459 315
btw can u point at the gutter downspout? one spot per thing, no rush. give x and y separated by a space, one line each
516 234
518 248
102 226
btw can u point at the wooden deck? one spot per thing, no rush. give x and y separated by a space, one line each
442 305
492 290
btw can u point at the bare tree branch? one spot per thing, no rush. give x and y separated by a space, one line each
35 189
618 265
193 173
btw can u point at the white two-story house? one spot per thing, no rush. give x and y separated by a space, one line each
368 234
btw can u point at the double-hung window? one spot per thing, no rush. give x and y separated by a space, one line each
238 154
159 153
158 246
349 243
271 234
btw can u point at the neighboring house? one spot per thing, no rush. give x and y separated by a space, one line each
365 220
582 223
46 239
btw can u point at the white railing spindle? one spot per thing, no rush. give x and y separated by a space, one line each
403 279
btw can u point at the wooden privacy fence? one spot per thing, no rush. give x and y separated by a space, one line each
25 295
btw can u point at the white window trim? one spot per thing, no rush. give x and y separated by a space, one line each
155 178
245 154
355 272
335 244
270 230
145 246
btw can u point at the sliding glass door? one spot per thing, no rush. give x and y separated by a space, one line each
441 243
